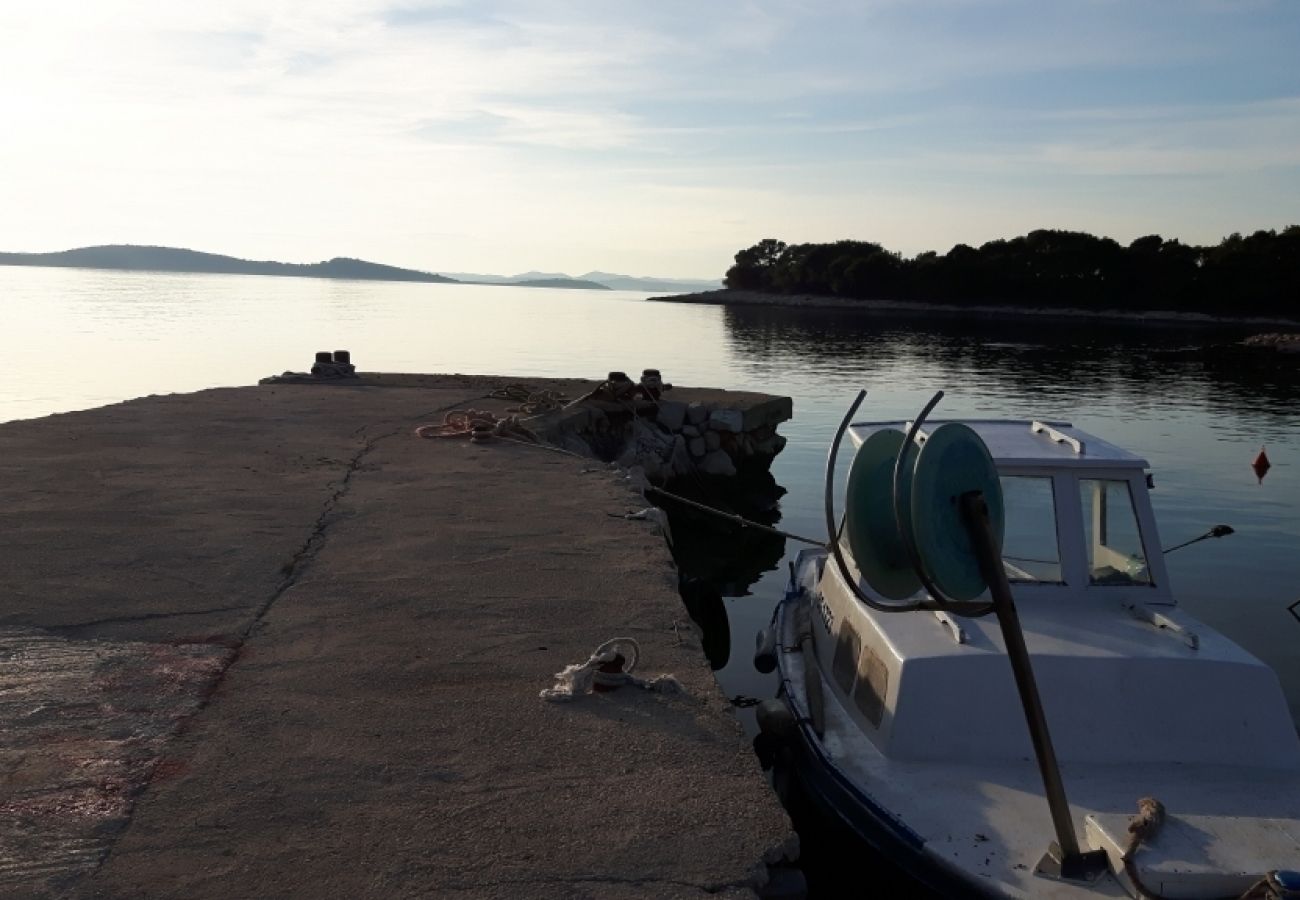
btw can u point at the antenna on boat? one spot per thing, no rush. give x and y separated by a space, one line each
1217 531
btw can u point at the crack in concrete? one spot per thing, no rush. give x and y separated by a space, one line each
302 558
142 617
292 571
294 568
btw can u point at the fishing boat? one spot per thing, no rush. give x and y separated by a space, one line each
986 677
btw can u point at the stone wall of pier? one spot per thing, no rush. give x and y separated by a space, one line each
718 433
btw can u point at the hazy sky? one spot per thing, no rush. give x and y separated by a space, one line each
649 138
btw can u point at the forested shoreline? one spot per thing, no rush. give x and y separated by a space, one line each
1253 276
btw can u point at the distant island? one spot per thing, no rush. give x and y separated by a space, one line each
571 283
605 279
1045 271
136 258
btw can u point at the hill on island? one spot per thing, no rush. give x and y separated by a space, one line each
611 280
651 282
561 282
1254 275
171 259
136 258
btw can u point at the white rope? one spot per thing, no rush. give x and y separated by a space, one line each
581 678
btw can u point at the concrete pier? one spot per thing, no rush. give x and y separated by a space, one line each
266 642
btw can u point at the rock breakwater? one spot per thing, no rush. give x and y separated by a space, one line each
721 434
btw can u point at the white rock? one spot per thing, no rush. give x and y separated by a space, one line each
732 420
717 463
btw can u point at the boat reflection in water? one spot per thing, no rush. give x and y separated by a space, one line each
718 558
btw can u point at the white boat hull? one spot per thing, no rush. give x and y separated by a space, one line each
981 827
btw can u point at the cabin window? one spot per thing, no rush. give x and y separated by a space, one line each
845 663
1112 535
873 681
1030 549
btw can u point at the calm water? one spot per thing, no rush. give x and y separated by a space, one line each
1194 406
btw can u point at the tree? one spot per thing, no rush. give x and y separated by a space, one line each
755 265
1257 274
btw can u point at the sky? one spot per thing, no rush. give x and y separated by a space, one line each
645 138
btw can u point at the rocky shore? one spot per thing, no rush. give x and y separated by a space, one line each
1280 341
721 433
914 308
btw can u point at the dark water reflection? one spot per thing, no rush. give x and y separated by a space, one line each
1159 364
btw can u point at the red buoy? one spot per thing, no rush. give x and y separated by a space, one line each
1261 465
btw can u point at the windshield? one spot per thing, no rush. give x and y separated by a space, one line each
1111 533
1030 548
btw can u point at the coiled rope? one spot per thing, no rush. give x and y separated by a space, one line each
609 667
481 425
1143 827
478 425
530 402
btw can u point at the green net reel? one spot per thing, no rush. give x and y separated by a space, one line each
951 461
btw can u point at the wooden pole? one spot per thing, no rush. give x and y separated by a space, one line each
976 513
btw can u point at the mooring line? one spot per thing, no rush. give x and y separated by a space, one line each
741 520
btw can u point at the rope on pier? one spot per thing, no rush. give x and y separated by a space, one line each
609 667
478 425
530 402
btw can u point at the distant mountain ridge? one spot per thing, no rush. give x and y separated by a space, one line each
531 279
610 280
564 282
172 259
650 282
138 258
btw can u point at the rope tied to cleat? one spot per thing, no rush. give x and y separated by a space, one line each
609 667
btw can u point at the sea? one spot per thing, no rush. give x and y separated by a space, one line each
1191 400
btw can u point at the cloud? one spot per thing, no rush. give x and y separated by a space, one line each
567 123
1213 141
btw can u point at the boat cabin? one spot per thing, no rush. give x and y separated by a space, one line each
1125 676
1078 515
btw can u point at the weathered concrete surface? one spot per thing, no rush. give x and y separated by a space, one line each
378 733
84 725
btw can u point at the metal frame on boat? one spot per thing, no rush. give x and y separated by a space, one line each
927 733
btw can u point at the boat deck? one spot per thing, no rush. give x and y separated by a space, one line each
980 817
